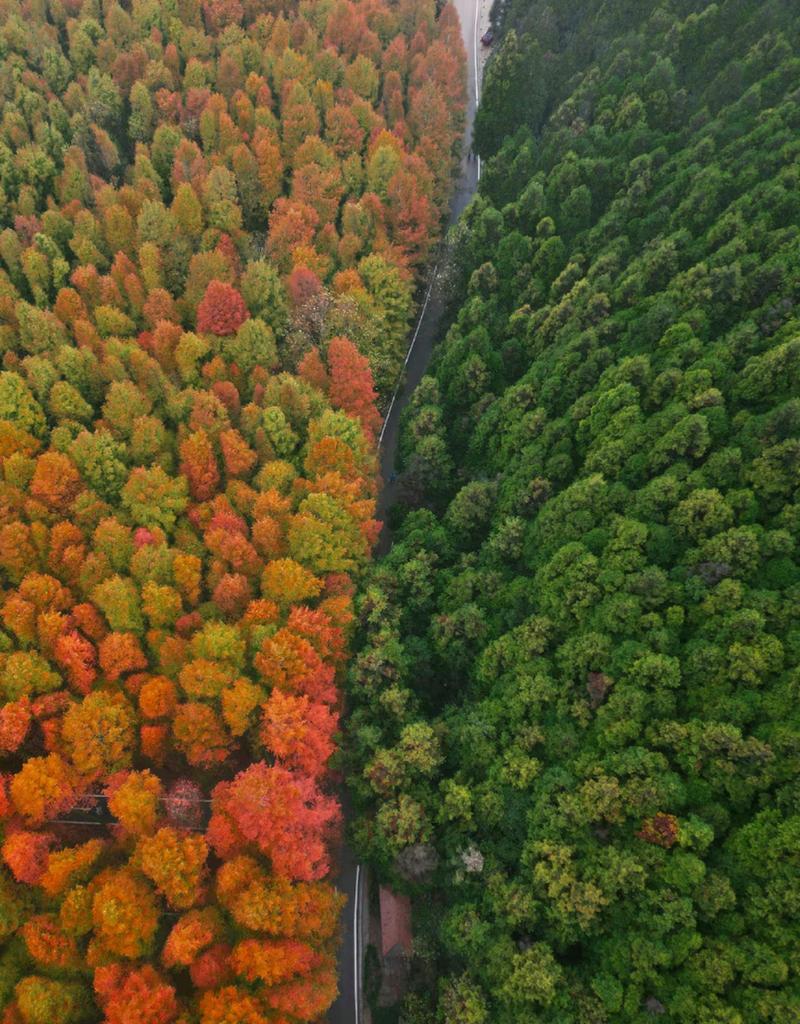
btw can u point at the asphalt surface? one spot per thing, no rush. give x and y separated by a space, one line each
351 878
426 329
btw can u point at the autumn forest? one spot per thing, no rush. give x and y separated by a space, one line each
214 217
558 713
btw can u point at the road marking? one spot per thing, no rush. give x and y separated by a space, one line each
422 312
356 964
477 80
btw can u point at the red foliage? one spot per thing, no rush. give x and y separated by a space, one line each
284 814
212 967
218 14
222 310
25 853
303 284
232 595
351 386
143 997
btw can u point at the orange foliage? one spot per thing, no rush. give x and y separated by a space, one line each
351 385
121 653
298 733
272 960
284 815
133 799
199 466
49 945
78 658
175 863
15 720
232 1005
43 788
194 932
65 867
157 697
124 913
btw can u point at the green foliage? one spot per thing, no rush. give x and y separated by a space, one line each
591 606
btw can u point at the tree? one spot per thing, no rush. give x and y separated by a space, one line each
199 466
124 913
175 863
298 733
284 815
153 499
221 310
351 386
141 995
39 999
25 854
133 799
43 788
98 734
287 582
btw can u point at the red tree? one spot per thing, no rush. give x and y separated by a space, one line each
282 813
351 386
222 310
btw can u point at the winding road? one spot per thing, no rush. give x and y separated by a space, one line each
351 880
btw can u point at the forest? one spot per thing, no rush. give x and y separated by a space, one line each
213 220
574 736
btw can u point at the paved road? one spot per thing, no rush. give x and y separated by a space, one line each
474 15
351 878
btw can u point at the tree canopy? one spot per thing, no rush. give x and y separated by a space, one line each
574 724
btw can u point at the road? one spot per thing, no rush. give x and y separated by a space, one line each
474 20
351 877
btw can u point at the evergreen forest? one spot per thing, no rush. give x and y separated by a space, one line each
574 737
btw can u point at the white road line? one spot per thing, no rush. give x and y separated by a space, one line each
477 78
408 354
356 964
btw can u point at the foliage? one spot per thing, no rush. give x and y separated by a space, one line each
186 212
576 686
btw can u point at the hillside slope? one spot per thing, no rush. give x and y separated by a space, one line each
575 736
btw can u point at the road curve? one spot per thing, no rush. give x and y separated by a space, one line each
350 878
473 15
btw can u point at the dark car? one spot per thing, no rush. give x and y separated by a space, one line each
487 38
